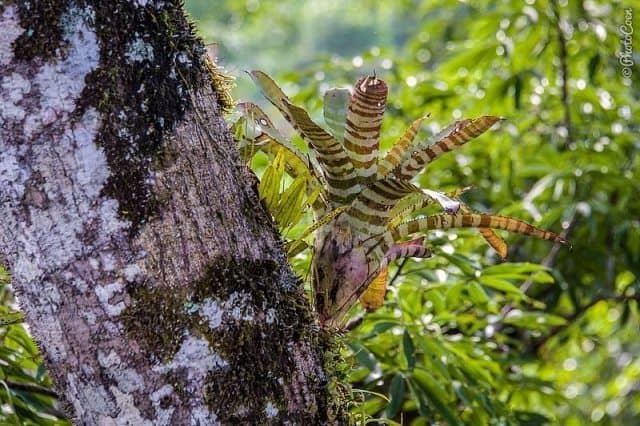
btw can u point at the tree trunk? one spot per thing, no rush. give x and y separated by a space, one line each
149 272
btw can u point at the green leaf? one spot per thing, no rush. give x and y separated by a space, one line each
396 393
510 269
437 300
454 295
500 285
409 350
434 353
269 188
11 318
291 205
436 394
364 356
382 326
477 294
465 264
542 277
534 320
420 399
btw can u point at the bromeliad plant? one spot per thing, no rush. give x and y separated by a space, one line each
363 205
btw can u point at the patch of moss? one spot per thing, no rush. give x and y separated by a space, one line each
340 395
222 85
156 320
43 35
253 349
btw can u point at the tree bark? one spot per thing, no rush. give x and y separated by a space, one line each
150 274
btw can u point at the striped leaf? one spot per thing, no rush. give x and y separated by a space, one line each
409 205
373 297
413 248
451 138
447 221
394 157
494 240
369 212
340 174
362 131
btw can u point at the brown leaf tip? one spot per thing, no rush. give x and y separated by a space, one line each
372 86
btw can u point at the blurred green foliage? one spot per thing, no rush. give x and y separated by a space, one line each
550 336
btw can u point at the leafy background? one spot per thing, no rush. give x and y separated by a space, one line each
551 335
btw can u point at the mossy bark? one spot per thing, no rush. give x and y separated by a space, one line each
149 273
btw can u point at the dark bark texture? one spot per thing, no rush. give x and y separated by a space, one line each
150 274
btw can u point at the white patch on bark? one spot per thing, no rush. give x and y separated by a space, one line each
108 261
10 30
92 170
131 272
163 415
240 304
271 410
271 316
138 50
196 358
201 416
237 307
105 293
61 82
128 379
14 87
212 311
129 414
56 230
84 396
